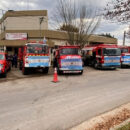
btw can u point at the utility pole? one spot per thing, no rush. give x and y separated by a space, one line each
40 21
124 38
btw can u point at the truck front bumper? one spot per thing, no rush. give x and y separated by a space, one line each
110 66
125 63
66 70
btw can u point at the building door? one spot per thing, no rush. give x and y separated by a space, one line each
16 50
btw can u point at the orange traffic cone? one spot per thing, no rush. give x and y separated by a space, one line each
55 76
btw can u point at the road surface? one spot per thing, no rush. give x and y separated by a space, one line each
36 103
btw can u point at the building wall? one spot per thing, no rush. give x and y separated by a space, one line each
59 42
56 42
2 48
25 23
1 27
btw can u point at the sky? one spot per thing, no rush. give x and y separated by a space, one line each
106 26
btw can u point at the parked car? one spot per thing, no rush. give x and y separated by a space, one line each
5 64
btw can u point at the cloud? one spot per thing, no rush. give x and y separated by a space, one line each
115 29
105 26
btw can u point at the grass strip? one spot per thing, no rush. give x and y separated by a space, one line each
125 127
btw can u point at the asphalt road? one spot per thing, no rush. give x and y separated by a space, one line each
35 103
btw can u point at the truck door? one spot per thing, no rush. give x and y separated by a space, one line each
6 62
99 55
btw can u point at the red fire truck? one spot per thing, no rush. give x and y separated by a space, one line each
68 60
34 55
102 56
5 64
129 48
125 56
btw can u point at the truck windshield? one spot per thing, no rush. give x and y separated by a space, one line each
124 50
111 52
69 51
1 57
37 49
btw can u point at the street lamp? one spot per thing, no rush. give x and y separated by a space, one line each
124 38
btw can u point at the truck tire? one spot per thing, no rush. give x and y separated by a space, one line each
81 72
96 65
24 71
59 72
5 74
55 63
45 70
85 63
9 68
20 66
122 66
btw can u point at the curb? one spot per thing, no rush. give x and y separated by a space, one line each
121 125
105 119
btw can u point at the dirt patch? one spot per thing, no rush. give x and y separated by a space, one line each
107 120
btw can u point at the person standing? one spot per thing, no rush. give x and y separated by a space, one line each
11 59
15 62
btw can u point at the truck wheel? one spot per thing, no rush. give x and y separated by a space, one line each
24 71
20 66
85 63
45 70
95 65
5 74
55 63
59 72
81 72
9 68
122 66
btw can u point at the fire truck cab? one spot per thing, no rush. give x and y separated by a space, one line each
34 55
102 56
125 56
68 60
5 64
129 48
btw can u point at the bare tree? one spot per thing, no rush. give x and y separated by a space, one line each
69 27
76 16
119 10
